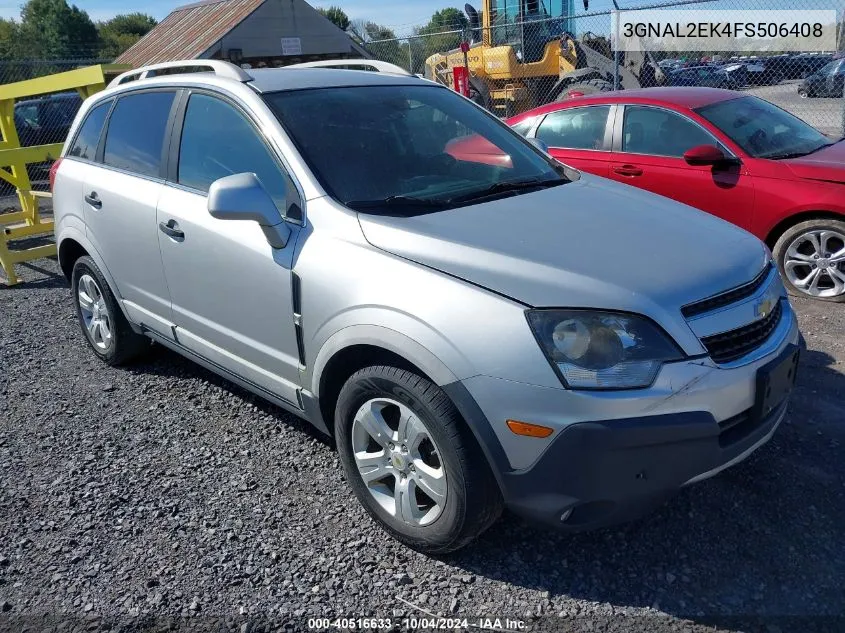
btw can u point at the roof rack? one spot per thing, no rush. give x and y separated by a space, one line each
355 64
218 67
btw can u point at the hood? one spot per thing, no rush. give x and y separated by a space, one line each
827 164
590 243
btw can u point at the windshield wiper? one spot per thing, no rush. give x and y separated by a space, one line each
507 187
798 154
399 202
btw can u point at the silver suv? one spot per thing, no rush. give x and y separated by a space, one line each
477 325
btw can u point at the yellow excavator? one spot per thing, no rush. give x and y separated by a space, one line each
522 54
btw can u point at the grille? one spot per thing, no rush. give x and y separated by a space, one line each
731 296
729 346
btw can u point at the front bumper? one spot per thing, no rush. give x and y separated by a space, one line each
601 473
614 456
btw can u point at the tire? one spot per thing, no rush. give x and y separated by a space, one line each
590 87
796 244
114 341
804 93
479 93
472 498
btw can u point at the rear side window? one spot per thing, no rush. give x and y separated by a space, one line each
85 145
136 130
218 141
575 128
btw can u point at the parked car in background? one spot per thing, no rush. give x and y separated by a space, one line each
710 76
455 323
734 155
828 81
43 121
46 120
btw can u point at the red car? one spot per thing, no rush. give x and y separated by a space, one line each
731 154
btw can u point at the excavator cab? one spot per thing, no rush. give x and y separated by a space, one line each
525 25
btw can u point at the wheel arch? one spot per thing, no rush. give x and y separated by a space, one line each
357 347
72 245
774 234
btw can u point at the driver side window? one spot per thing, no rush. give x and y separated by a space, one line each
219 141
658 132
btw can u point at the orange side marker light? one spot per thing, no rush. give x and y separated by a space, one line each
529 430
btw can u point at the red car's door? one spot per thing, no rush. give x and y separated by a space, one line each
649 143
580 137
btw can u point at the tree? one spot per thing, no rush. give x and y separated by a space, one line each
122 31
9 39
52 29
439 35
336 16
380 41
450 19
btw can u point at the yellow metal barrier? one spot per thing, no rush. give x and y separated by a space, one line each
27 222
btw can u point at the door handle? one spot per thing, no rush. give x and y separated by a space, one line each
628 170
171 229
94 200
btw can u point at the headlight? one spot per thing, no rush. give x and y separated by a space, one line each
602 350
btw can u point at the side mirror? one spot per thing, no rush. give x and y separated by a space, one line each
241 197
541 145
707 155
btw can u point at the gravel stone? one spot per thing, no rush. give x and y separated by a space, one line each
177 494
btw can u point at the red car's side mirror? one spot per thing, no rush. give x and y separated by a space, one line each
706 155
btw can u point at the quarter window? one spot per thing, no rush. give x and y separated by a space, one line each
85 145
218 141
136 130
575 128
657 132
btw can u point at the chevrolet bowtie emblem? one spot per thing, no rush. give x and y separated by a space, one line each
765 307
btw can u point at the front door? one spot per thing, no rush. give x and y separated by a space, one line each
231 291
649 148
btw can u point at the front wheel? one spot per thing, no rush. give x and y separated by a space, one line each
811 259
412 462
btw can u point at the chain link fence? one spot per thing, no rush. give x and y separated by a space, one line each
517 64
42 119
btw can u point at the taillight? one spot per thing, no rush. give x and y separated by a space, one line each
53 171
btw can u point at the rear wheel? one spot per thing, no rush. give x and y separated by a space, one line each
811 259
584 88
412 462
105 328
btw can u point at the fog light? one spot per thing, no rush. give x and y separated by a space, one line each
565 515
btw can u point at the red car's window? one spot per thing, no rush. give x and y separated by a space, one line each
575 128
658 132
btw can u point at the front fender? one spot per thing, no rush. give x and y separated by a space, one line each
385 338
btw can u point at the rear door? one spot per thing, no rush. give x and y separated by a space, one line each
580 137
649 144
120 193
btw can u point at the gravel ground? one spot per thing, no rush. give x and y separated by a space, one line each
163 491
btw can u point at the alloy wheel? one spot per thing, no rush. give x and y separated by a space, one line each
95 313
399 462
814 263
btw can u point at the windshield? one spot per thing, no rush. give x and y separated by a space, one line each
829 68
764 130
378 148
